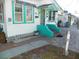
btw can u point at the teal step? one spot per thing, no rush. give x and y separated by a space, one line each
53 27
45 31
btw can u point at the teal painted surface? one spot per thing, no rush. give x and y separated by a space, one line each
25 12
13 11
21 49
33 14
53 27
45 31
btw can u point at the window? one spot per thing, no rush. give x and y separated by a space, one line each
18 13
49 15
22 13
52 15
29 13
1 13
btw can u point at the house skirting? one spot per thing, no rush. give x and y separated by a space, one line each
19 38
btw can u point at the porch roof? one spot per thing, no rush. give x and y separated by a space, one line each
37 2
53 5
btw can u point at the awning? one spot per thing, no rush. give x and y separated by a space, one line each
54 7
37 3
52 4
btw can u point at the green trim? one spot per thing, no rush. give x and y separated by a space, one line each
13 11
13 14
33 14
24 13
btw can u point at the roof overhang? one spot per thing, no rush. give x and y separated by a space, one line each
52 4
36 2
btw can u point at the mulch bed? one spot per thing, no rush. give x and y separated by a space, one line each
47 52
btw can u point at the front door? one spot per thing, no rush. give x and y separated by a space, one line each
42 16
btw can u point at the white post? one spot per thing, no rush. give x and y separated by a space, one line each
5 20
67 43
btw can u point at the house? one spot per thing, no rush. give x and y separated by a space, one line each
20 18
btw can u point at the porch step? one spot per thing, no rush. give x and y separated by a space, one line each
20 40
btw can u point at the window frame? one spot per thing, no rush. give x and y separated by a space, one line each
15 21
24 13
52 19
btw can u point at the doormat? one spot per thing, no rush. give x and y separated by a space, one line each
47 52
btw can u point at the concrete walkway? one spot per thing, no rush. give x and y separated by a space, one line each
10 50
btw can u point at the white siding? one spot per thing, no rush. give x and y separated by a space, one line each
16 29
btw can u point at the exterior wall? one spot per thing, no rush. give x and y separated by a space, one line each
16 29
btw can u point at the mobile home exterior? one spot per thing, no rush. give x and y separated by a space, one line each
15 18
21 17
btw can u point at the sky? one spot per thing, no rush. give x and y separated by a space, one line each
72 6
